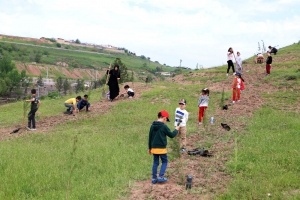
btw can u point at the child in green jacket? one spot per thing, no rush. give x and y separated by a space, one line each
157 145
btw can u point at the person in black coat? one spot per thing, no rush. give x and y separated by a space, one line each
272 50
114 77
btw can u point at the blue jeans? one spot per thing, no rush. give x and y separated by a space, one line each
164 164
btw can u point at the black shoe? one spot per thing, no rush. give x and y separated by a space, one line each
70 113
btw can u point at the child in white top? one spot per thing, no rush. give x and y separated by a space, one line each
181 116
129 91
203 104
238 65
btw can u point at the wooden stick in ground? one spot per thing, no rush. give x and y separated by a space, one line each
107 76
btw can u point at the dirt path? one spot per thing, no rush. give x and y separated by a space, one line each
208 173
44 125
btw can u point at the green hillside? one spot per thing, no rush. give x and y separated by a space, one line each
75 57
103 154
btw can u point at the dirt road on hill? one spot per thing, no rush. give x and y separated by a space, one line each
99 108
209 176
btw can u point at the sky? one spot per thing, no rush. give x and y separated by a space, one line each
194 31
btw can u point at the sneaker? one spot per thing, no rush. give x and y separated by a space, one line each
226 74
182 150
154 181
200 123
28 128
33 129
233 73
70 113
162 179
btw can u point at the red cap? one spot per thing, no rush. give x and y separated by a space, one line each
165 114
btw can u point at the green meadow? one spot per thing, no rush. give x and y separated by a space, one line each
102 157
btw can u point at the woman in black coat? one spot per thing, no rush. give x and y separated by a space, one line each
114 76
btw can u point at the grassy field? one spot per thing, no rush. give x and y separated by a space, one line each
101 157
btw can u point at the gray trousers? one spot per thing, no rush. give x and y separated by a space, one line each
69 106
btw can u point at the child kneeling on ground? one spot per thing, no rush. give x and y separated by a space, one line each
129 91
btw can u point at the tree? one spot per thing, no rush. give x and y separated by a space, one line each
58 45
77 41
143 57
59 84
40 81
66 86
38 58
123 70
9 76
79 86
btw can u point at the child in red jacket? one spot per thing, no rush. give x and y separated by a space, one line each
237 86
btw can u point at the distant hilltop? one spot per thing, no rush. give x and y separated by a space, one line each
63 41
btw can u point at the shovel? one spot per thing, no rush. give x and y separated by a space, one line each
107 75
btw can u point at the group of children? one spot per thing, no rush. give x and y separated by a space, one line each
157 142
81 103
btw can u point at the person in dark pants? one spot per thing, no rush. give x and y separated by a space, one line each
129 91
157 145
269 64
35 104
84 103
230 60
272 50
113 82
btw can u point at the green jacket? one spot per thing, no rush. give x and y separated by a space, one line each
158 135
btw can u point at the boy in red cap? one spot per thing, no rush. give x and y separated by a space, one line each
157 145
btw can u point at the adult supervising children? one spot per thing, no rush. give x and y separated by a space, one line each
35 104
71 104
181 116
230 57
157 145
114 77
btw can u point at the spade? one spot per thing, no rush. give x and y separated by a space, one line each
15 131
225 126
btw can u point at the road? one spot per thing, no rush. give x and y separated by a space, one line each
33 45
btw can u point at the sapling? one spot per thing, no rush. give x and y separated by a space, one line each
71 165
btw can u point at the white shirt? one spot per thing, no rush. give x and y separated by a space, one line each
181 114
229 56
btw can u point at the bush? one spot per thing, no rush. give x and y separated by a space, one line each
58 45
54 95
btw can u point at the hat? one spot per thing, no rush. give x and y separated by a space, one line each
182 101
165 114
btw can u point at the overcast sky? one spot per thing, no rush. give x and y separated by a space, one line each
195 31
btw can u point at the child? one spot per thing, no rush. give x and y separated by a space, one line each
84 103
269 64
157 145
236 87
129 91
71 104
203 104
229 60
238 66
35 104
181 116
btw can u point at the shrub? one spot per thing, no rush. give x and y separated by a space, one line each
54 95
